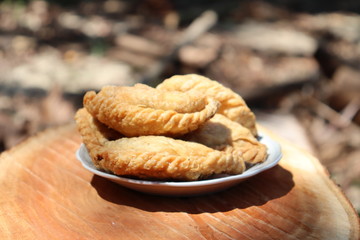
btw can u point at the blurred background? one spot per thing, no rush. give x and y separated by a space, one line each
295 62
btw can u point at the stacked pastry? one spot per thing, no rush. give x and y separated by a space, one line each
187 128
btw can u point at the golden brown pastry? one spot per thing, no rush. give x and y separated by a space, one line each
153 157
232 105
142 110
221 133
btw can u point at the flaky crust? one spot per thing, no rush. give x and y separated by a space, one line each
142 110
94 133
232 105
153 157
221 133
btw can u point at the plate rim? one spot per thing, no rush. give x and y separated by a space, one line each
252 171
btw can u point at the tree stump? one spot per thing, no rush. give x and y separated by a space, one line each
45 193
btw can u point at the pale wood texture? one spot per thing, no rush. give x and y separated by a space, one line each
45 193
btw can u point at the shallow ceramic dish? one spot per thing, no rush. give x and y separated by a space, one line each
216 183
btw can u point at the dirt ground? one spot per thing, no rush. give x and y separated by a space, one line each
300 60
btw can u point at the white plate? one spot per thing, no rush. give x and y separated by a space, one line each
191 188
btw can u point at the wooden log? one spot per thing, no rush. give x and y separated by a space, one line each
45 193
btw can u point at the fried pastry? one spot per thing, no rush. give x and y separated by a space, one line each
142 110
153 157
93 132
221 133
232 105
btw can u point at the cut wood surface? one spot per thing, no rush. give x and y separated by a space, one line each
45 193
